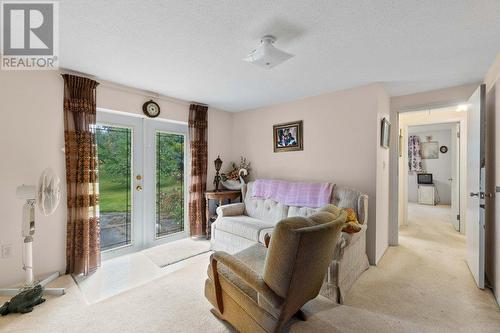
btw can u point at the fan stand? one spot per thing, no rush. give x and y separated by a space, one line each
29 208
30 283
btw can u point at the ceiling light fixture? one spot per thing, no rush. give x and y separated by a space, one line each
266 54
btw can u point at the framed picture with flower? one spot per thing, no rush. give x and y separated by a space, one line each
288 136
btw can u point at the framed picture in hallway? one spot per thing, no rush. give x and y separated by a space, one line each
288 137
430 150
385 132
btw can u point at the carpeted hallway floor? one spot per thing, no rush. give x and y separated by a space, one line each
423 285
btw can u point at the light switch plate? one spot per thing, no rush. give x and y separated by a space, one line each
6 251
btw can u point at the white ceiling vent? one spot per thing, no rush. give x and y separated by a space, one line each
266 55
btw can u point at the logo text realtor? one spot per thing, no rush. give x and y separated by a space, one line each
29 35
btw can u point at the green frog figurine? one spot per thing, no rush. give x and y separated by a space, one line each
24 301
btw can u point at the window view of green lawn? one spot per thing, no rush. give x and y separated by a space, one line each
114 149
169 183
114 152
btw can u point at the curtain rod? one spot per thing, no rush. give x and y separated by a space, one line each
125 88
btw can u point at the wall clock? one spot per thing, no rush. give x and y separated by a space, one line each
151 109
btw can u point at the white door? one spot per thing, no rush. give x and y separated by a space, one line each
165 182
455 176
119 151
476 172
142 182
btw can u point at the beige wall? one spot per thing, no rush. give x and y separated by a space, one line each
433 99
32 139
341 144
382 176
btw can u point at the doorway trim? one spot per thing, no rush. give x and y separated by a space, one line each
394 178
458 150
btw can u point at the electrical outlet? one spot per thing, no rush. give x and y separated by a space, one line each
6 251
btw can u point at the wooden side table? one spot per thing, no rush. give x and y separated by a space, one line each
220 196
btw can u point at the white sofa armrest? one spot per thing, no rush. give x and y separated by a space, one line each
350 238
231 209
363 209
347 239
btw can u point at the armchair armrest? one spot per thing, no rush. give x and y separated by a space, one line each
231 209
248 275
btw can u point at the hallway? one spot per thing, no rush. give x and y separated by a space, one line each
425 280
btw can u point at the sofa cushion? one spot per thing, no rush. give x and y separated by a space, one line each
243 226
301 211
263 209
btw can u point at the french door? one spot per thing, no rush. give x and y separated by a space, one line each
165 182
142 182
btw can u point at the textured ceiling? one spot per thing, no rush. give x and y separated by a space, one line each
192 50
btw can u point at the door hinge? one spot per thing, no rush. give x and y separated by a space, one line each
458 217
458 135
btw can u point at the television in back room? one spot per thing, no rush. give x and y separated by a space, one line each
424 178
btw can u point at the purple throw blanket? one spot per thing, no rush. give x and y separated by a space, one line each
293 193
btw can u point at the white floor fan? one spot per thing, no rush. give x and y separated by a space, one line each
46 197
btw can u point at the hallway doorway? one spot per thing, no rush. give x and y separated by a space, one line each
431 166
434 167
474 170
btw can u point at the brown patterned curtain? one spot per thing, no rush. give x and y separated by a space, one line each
199 154
83 253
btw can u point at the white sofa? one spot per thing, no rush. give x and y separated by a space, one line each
241 225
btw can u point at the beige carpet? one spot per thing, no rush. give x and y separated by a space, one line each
421 286
170 253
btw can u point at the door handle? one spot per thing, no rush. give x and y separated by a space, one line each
472 194
138 188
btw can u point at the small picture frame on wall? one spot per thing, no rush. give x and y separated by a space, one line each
429 150
288 136
385 133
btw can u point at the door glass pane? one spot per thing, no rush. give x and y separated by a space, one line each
114 151
169 183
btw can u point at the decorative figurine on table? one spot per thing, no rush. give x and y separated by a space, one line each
235 178
218 165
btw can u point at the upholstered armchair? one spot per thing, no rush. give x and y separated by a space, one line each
260 289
